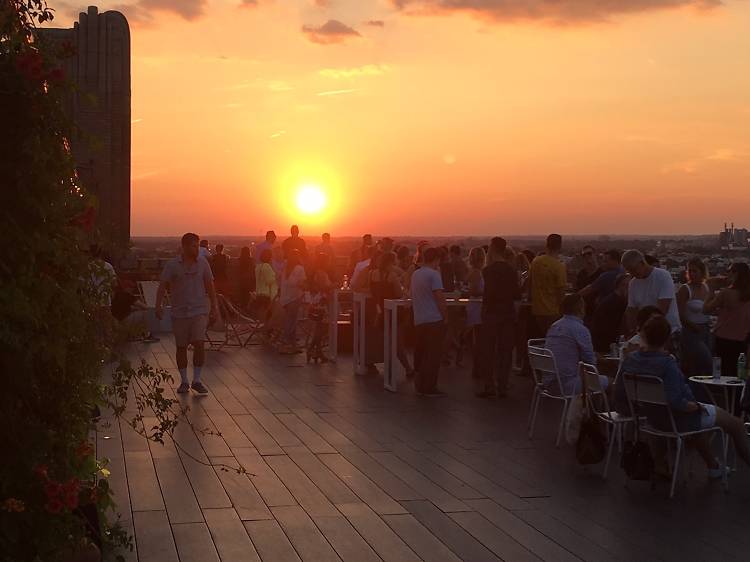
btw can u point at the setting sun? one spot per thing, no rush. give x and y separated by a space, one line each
311 200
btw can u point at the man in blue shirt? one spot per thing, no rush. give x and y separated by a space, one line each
570 342
605 284
428 305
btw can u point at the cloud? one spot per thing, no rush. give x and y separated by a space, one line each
375 23
188 9
366 70
337 92
549 11
332 31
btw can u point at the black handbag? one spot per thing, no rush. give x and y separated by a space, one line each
637 460
592 445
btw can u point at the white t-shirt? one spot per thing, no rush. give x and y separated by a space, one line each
292 286
204 252
648 291
358 269
424 281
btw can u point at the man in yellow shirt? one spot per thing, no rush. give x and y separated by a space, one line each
548 283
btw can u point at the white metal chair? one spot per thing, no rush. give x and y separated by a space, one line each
240 329
643 389
615 421
541 361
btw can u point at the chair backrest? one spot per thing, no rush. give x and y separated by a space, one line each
592 383
541 360
148 292
647 389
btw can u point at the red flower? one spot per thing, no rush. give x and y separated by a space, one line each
84 449
29 63
54 505
41 471
56 76
85 220
53 490
71 501
72 486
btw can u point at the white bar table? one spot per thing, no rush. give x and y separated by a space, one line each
393 372
333 323
359 345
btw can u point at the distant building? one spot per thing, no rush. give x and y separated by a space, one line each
100 109
734 238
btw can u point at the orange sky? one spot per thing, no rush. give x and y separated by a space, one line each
520 117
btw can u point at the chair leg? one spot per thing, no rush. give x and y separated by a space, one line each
676 470
562 424
614 435
534 397
537 400
725 459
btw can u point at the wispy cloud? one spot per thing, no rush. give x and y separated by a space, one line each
366 70
277 134
375 23
331 32
694 165
134 121
550 11
336 92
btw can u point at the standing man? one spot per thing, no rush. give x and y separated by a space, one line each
325 247
267 244
294 242
548 282
650 286
428 304
190 284
359 254
204 251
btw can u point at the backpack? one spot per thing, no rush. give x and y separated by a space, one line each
591 447
637 460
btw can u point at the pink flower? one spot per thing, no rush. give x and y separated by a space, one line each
54 505
53 490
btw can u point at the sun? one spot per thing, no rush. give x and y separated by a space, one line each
311 200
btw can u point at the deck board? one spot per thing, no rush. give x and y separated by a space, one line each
340 469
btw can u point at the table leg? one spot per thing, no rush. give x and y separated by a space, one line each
393 373
333 327
358 330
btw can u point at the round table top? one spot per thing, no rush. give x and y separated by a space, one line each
721 381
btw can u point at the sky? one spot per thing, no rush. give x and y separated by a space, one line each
438 117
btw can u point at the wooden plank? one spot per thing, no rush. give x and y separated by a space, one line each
380 537
145 494
230 536
327 482
436 473
476 480
271 542
209 438
307 540
310 438
278 430
419 539
301 487
273 490
194 543
182 506
451 533
268 400
419 482
499 542
230 431
349 545
359 438
385 479
206 484
366 489
241 490
259 437
323 428
154 537
522 532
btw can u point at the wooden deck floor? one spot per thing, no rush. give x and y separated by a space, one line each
345 470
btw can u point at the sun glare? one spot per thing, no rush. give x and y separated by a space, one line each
311 200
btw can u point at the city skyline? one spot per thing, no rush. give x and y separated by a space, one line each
416 118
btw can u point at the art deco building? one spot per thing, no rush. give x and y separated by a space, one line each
100 109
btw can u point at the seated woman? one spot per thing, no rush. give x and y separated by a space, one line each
689 415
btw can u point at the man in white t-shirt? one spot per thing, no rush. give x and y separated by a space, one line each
650 286
428 305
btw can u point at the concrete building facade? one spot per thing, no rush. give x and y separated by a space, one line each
100 110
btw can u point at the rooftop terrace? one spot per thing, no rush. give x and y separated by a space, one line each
345 470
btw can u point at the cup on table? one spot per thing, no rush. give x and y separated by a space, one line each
717 368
